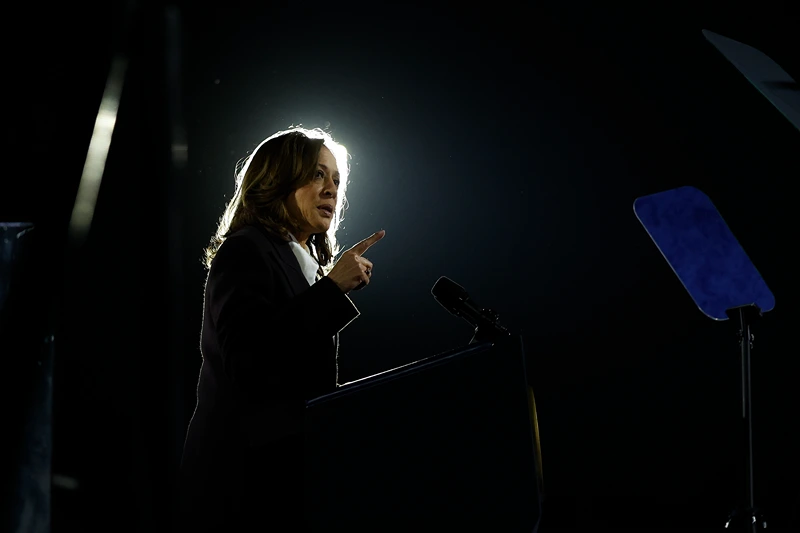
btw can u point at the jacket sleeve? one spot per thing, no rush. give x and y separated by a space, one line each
260 340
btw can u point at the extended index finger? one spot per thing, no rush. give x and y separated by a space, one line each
364 245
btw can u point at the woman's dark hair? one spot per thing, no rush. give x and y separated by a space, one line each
279 165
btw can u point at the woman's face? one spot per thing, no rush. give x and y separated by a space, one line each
308 204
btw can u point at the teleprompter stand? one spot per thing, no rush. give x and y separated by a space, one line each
715 270
747 517
775 84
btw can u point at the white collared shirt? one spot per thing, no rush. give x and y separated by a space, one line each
308 264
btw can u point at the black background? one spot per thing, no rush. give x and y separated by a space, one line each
499 145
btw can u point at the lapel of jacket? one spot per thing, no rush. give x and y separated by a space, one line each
291 268
288 263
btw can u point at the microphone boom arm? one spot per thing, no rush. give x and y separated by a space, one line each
488 328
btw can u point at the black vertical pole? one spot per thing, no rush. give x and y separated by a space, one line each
745 343
175 213
162 402
749 518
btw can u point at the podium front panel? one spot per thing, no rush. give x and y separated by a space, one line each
446 444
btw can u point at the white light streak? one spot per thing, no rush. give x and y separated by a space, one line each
93 168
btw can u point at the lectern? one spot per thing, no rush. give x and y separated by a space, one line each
447 443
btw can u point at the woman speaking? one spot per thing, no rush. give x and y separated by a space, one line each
275 302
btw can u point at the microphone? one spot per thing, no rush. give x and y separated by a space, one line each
456 300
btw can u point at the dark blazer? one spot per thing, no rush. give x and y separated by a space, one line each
269 343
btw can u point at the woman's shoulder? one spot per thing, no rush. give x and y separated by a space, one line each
248 242
252 234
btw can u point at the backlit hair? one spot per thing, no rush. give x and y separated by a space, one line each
281 164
